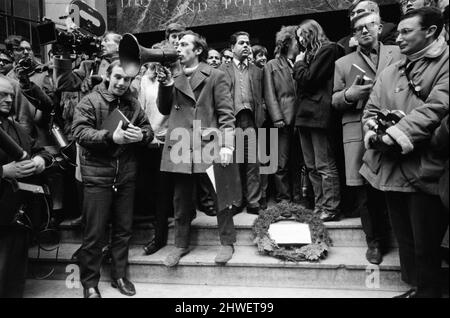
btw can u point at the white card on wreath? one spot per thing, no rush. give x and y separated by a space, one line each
290 232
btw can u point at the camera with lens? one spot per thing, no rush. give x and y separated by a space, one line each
384 119
84 26
68 43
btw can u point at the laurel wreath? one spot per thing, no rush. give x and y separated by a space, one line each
313 252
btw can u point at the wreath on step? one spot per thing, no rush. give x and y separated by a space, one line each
313 252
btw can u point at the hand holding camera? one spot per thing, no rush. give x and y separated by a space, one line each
377 137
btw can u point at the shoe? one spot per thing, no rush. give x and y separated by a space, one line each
92 293
225 254
152 248
253 210
326 216
263 203
76 254
210 211
409 294
76 222
174 256
238 209
374 255
125 286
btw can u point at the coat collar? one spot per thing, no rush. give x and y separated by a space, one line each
434 50
187 87
384 59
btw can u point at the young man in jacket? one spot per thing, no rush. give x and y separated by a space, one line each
108 168
198 95
280 94
373 57
401 162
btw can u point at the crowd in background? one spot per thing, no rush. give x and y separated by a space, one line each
362 132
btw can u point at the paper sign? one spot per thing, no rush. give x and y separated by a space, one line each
290 232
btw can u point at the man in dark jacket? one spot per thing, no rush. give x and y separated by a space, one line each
14 238
387 35
280 95
108 168
315 118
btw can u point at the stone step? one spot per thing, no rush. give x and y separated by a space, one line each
344 268
58 289
346 232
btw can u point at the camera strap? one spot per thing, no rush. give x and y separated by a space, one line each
416 89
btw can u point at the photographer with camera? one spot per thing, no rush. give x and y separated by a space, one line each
350 95
13 237
408 102
108 168
35 84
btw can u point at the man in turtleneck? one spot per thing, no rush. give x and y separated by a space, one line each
198 101
405 167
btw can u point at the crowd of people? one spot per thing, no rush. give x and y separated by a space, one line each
365 119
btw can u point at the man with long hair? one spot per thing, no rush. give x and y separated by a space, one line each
315 117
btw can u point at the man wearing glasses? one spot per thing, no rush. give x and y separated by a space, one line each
387 35
372 57
405 167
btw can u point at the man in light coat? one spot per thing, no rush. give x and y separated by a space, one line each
372 57
409 171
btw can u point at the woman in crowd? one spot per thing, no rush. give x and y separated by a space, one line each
314 71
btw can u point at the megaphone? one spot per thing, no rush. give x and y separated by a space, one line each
11 148
66 149
132 55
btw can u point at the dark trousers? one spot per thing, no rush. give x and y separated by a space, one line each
320 160
184 208
371 205
154 192
164 201
249 169
13 261
419 222
101 205
282 177
205 198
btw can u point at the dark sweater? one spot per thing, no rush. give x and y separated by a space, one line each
315 88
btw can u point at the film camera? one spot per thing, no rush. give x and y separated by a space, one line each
84 28
385 119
